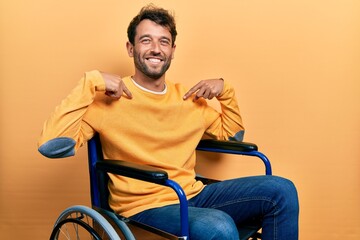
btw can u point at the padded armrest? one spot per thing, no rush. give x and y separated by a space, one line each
155 175
132 170
216 145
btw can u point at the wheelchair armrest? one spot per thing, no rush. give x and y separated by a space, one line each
148 174
222 145
234 147
133 170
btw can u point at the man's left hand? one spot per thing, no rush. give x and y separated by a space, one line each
207 89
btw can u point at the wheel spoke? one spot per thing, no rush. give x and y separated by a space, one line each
82 223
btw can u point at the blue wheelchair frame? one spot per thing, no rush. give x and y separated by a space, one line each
99 168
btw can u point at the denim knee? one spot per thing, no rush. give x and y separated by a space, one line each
285 194
281 216
213 225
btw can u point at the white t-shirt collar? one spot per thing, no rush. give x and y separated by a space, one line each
150 91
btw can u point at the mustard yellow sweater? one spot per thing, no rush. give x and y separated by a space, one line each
160 130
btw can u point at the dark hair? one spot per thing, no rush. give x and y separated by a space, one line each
155 14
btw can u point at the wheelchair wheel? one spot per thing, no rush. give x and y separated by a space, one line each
82 223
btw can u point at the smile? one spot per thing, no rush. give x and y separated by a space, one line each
154 60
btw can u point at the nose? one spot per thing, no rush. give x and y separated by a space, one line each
155 47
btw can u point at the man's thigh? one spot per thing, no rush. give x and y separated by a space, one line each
246 199
204 223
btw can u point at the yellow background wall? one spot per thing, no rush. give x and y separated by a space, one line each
295 66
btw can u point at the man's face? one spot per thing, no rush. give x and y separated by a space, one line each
153 50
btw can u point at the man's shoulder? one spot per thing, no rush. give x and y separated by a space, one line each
179 87
126 79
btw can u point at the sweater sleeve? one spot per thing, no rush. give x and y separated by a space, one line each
64 131
226 125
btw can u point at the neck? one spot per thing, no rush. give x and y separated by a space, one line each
156 85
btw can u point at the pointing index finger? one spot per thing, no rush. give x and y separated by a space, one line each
191 91
127 91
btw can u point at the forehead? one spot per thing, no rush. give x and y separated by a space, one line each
150 28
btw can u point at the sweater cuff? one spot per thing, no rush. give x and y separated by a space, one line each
96 78
226 90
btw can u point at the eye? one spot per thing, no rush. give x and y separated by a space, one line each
165 42
145 40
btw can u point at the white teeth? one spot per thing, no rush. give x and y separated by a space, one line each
154 60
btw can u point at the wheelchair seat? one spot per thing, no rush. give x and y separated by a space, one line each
100 222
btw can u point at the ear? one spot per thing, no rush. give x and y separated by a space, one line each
130 49
173 51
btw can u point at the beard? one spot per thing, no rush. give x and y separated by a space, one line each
152 73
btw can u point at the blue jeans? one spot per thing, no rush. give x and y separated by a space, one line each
221 209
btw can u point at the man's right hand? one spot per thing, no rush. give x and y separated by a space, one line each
114 86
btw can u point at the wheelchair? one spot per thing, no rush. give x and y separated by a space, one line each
100 222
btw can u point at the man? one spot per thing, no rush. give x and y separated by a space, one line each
149 120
